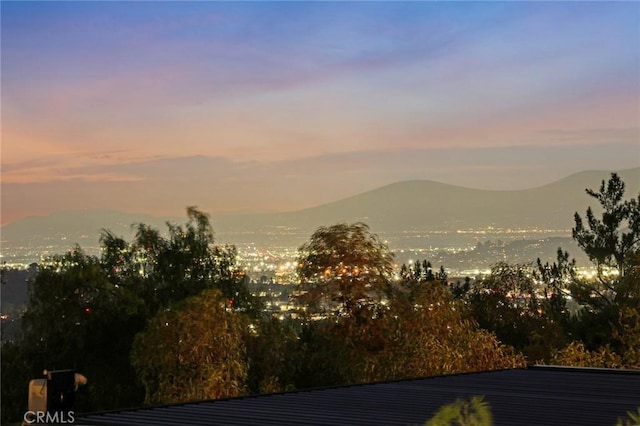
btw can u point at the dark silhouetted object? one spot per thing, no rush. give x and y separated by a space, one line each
61 391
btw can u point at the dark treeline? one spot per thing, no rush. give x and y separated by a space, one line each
170 319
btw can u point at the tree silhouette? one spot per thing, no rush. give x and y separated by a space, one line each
610 239
84 311
344 270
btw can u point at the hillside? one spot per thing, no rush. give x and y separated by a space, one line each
415 205
399 207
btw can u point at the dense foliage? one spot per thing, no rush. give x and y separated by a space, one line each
192 351
85 311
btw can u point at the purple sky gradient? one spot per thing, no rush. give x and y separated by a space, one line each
152 106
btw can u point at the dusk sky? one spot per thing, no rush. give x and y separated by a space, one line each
149 107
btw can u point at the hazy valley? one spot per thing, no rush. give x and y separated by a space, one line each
413 215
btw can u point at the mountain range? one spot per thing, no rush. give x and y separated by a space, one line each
419 205
400 207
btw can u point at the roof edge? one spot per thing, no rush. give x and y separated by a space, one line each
583 369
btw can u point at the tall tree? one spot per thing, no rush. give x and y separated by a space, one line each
612 242
555 278
344 278
84 311
609 240
344 270
162 270
608 318
76 318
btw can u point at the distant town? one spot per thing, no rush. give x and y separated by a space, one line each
270 268
462 252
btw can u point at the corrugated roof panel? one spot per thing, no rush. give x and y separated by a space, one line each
532 396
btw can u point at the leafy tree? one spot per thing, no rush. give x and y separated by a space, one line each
422 332
626 336
76 318
510 303
84 311
577 355
164 270
345 281
427 332
344 270
193 351
60 301
504 302
418 330
333 351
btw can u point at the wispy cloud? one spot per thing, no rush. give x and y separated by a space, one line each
279 104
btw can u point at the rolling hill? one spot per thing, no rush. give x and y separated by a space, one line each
398 207
432 205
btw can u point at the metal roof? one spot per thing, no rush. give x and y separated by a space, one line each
531 396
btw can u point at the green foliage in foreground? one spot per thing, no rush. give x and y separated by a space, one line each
632 419
463 413
477 412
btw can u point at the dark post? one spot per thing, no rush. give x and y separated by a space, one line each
61 391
